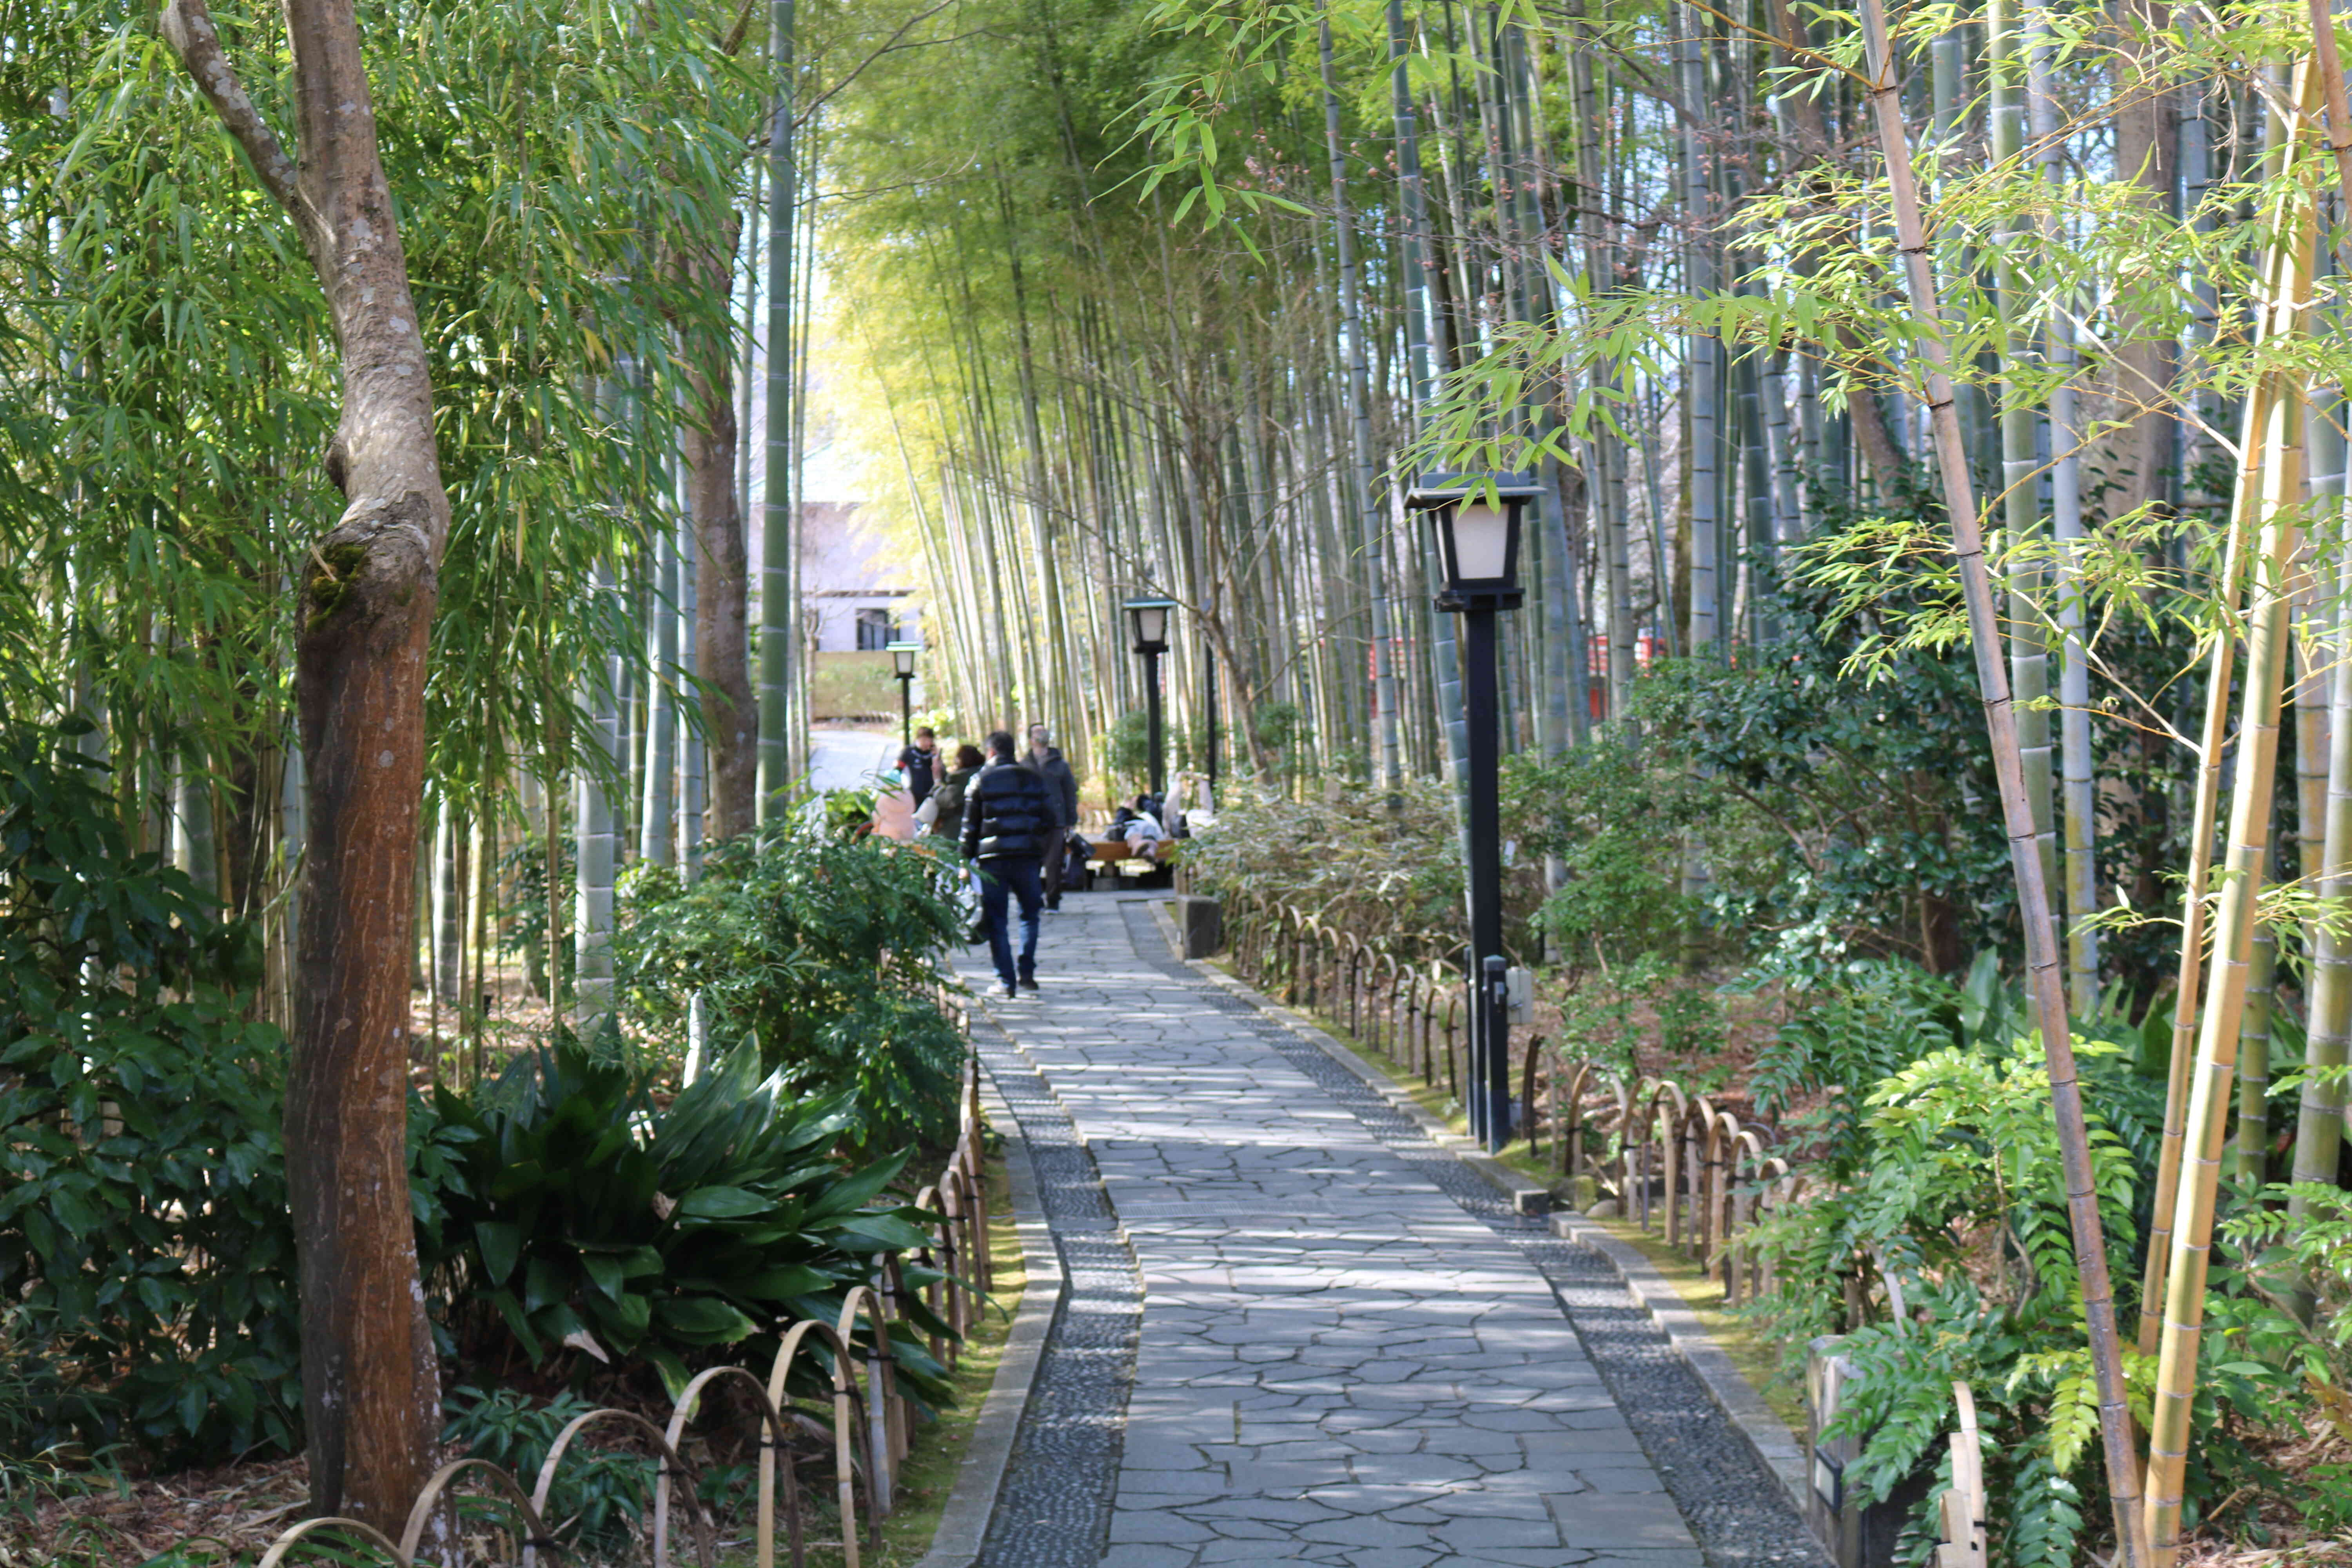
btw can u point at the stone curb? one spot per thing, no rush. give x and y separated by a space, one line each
971 1504
1725 1383
1762 1430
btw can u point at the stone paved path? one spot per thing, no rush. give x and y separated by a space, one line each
1336 1363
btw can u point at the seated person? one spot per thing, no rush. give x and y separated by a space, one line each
1146 839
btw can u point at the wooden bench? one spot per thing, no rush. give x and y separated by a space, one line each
1109 856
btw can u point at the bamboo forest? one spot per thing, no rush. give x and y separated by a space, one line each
1008 782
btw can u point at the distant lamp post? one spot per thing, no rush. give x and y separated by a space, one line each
1476 520
902 663
1149 620
1209 709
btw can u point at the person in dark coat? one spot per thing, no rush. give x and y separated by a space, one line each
1063 785
948 794
1008 826
918 764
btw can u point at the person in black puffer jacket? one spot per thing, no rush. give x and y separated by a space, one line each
1008 825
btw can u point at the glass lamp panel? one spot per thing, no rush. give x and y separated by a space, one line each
1482 535
1151 624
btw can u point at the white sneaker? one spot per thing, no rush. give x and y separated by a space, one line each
1007 991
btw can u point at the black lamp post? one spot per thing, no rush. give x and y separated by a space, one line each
1476 520
1208 707
1149 619
902 660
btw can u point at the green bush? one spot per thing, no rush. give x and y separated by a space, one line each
1938 1177
823 947
1357 864
563 1206
599 1497
144 1243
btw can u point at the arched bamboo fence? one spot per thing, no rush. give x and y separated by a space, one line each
865 1422
1673 1161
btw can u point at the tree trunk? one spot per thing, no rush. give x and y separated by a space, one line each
722 568
370 1390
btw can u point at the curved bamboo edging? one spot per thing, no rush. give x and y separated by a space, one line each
868 1426
1674 1161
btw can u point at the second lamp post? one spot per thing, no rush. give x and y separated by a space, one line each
1475 518
1149 619
902 665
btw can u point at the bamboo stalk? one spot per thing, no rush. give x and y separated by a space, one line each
2253 1139
2220 660
2028 648
2271 480
1368 526
2033 894
2216 729
2319 1118
2079 827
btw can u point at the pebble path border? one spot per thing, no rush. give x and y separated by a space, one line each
1737 1509
1053 1507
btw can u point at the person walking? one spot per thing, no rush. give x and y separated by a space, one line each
947 795
943 818
918 764
1008 823
1062 786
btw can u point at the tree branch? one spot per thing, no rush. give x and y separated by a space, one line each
188 28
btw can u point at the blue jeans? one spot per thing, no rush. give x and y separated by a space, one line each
1000 880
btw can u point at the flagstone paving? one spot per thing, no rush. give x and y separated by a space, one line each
1295 1336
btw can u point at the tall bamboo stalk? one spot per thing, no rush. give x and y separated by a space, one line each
2319 1117
2245 507
2270 483
655 818
2253 1137
2017 812
1703 390
2080 836
2188 990
2029 652
592 919
778 536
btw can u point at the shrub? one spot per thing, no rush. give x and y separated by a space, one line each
1356 863
599 1497
143 1233
826 949
563 1206
1940 1180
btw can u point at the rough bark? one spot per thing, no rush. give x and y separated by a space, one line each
722 603
721 596
367 591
